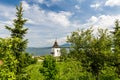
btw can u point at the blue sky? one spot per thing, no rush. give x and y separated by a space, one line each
51 19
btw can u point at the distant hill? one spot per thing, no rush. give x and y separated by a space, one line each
43 51
38 51
67 45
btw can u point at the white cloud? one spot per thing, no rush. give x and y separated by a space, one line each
96 5
7 12
102 21
3 32
38 16
93 19
46 25
112 3
25 5
59 18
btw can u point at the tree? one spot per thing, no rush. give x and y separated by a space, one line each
64 54
19 47
116 47
80 41
49 69
18 31
80 44
8 68
99 52
91 51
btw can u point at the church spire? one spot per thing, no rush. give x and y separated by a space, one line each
55 44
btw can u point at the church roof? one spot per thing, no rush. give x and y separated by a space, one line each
55 45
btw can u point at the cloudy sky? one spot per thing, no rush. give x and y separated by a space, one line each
51 19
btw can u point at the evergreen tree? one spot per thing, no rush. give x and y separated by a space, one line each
116 47
18 31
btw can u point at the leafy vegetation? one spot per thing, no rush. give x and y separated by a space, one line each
116 47
49 69
8 68
64 54
12 51
91 56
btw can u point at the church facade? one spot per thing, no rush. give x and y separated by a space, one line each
55 49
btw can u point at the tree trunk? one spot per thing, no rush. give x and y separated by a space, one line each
97 77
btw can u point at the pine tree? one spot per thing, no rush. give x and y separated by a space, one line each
116 47
18 31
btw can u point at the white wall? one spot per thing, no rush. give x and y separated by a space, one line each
56 52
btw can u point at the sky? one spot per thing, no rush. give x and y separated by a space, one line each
49 20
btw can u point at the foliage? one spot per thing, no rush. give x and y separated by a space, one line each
71 70
34 72
49 69
64 54
116 47
91 57
100 50
18 30
80 41
19 45
89 50
8 68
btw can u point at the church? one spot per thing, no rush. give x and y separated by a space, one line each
55 49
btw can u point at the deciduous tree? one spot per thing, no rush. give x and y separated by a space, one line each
9 62
91 51
49 69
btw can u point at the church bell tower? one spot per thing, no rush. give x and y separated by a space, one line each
55 49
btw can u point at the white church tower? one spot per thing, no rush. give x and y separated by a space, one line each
55 49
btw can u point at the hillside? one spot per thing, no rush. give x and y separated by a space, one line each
43 51
38 51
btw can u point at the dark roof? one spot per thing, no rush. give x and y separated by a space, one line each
55 45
